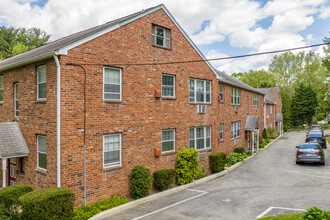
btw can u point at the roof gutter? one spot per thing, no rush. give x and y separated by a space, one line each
31 60
58 119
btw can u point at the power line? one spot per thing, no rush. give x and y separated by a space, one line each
203 60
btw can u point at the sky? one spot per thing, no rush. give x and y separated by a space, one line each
220 28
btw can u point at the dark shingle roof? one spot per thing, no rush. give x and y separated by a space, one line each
12 142
271 94
223 77
251 123
50 48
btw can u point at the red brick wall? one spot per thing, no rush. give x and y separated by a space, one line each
34 118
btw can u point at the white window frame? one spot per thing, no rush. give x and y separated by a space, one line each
164 141
221 93
116 164
221 131
154 36
1 88
235 129
204 137
235 96
195 90
168 86
255 99
271 109
38 151
38 83
120 84
16 110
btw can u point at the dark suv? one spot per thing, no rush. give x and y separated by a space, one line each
316 137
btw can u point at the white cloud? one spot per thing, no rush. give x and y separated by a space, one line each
325 12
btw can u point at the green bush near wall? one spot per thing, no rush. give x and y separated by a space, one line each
217 161
9 203
163 179
141 181
239 150
187 165
48 203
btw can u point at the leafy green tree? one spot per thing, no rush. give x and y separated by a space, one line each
303 105
286 109
256 79
14 41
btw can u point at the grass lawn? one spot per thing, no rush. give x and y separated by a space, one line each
284 217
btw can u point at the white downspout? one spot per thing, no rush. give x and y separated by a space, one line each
58 120
4 168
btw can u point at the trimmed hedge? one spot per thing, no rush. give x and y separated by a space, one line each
163 179
217 161
141 181
9 204
186 165
48 203
88 211
239 150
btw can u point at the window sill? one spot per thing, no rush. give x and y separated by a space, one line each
236 138
109 169
236 104
168 98
43 172
200 103
168 153
205 150
112 101
165 48
41 101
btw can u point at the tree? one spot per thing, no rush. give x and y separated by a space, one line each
286 109
14 41
256 79
303 105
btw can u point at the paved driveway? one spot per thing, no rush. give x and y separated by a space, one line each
268 184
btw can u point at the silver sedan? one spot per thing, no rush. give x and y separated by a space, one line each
309 153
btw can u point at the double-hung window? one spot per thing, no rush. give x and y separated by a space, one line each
221 131
235 96
16 103
221 93
41 81
168 86
111 150
168 140
200 137
199 91
112 82
1 88
161 36
42 152
235 129
255 99
271 109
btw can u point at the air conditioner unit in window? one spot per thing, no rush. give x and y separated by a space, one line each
236 108
201 109
235 142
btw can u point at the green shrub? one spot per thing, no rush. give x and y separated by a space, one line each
265 133
48 203
239 150
249 153
9 203
261 139
237 157
271 132
320 116
163 179
186 165
87 212
201 173
141 181
315 213
217 161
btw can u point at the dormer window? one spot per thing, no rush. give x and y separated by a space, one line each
161 36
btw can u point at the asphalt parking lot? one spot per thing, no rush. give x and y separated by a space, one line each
269 184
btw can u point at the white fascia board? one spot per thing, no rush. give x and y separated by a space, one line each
189 40
15 156
64 50
31 60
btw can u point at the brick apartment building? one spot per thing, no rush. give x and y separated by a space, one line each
273 109
80 112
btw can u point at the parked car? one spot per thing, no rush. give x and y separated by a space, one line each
317 128
314 136
309 153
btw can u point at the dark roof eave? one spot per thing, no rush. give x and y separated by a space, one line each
233 84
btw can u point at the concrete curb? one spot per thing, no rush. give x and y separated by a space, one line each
129 205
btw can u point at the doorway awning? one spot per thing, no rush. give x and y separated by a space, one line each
279 117
251 123
12 142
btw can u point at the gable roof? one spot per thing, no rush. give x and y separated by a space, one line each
223 77
271 94
62 45
12 142
251 123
